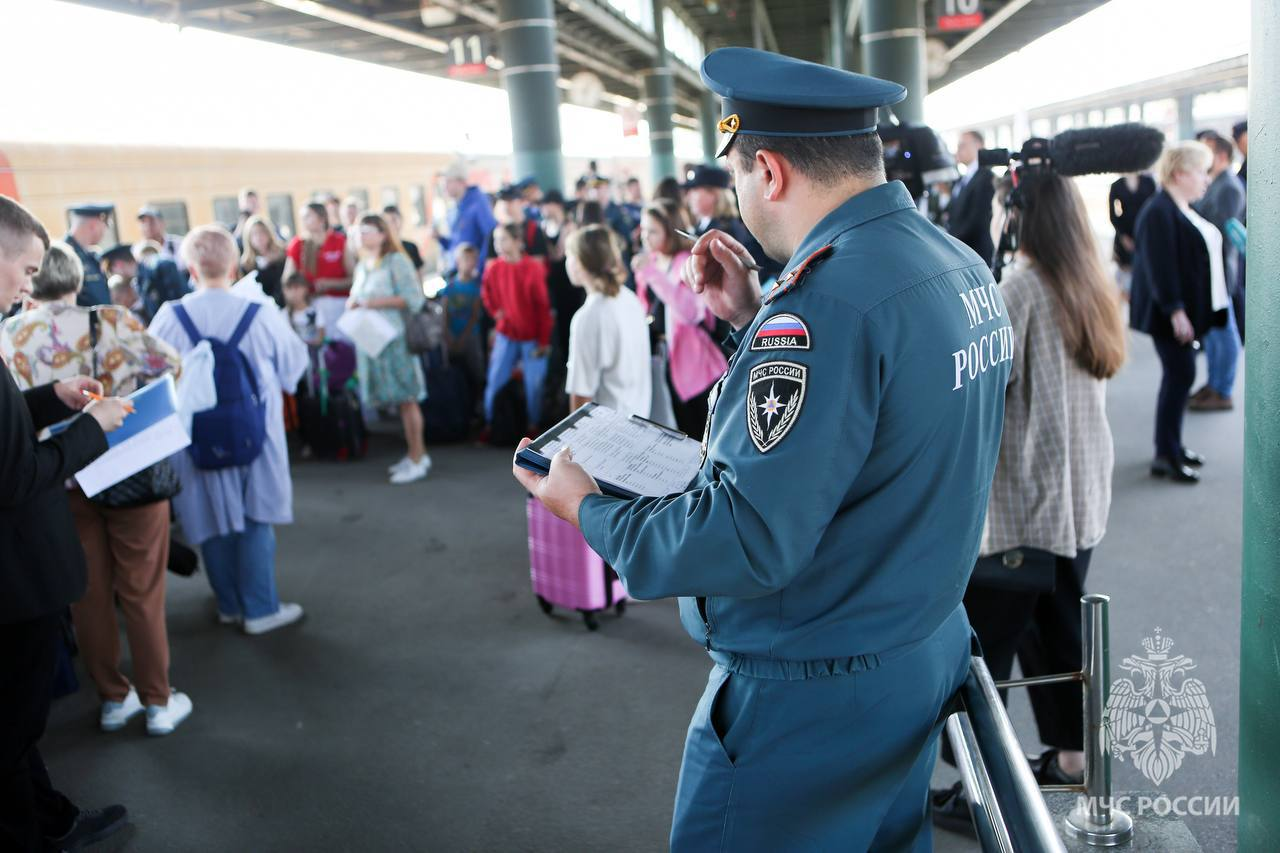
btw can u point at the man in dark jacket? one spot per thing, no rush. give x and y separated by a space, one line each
969 214
1222 202
1128 194
41 565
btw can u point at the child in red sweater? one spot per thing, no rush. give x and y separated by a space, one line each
514 290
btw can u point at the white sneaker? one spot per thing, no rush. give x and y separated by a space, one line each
116 714
225 619
286 615
163 719
391 469
412 472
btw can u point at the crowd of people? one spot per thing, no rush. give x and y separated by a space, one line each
586 299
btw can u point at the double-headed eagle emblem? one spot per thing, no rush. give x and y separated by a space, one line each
1159 716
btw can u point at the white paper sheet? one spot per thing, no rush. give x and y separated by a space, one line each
637 455
368 330
156 442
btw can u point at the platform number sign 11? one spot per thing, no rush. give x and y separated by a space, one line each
467 56
957 15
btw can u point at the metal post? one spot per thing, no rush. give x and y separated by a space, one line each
527 39
838 13
1260 585
659 100
893 49
708 123
1093 820
1186 117
984 809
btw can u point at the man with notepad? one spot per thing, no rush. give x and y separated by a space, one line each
822 550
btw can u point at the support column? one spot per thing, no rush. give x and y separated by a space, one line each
659 100
527 41
709 120
839 10
1259 784
893 49
1186 117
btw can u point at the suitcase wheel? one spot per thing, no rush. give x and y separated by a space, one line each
589 619
620 608
545 605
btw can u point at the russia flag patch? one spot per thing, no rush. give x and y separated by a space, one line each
782 331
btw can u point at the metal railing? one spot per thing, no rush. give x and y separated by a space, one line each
1007 806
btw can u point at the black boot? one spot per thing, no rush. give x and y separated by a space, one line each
950 810
90 827
1164 467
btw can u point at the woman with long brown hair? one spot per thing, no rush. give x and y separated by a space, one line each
1052 489
386 281
264 254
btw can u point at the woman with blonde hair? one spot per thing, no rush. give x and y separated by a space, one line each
263 254
1051 493
125 530
386 281
1177 294
682 326
608 336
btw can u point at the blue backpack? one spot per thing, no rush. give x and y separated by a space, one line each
232 433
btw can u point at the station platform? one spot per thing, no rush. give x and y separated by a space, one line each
428 704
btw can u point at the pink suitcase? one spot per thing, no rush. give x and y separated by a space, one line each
566 572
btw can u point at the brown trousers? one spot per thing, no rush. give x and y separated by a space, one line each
127 551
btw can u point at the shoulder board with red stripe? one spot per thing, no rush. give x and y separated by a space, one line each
792 280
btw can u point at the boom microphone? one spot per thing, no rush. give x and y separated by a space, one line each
1105 150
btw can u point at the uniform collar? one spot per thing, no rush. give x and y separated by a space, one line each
871 204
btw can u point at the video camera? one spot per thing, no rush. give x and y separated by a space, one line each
916 155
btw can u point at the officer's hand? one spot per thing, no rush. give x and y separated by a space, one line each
720 268
563 489
71 391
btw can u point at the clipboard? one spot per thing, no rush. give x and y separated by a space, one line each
152 433
629 456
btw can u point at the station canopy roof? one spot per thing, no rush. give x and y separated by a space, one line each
611 39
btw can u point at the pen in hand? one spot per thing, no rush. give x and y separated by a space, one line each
128 407
748 263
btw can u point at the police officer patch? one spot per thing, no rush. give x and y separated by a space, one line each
783 331
774 396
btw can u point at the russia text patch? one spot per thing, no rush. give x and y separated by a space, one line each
783 331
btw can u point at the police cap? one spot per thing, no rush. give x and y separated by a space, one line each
703 175
119 252
767 94
92 208
149 210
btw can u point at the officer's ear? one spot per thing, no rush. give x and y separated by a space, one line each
775 174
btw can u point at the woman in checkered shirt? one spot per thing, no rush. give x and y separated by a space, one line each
1052 487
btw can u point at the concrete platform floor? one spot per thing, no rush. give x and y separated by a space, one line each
427 704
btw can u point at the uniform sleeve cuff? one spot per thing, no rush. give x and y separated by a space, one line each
591 521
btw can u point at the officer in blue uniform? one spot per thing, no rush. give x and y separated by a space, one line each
822 552
88 226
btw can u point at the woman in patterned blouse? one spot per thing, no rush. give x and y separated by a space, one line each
126 548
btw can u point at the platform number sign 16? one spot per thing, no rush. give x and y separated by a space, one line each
955 15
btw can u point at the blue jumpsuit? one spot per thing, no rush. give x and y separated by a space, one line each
822 552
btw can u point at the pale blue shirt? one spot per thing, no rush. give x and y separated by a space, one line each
216 503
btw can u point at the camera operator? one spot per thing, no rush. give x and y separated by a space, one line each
1052 488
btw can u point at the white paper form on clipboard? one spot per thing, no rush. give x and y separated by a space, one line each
627 456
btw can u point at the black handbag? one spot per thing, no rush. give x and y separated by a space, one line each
156 483
1017 570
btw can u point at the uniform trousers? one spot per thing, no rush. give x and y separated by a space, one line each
1043 630
781 761
126 552
1179 374
30 808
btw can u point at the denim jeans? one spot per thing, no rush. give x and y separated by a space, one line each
502 362
1222 352
242 571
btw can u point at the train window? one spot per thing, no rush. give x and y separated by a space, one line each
175 216
280 209
226 210
390 196
361 196
112 235
418 201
